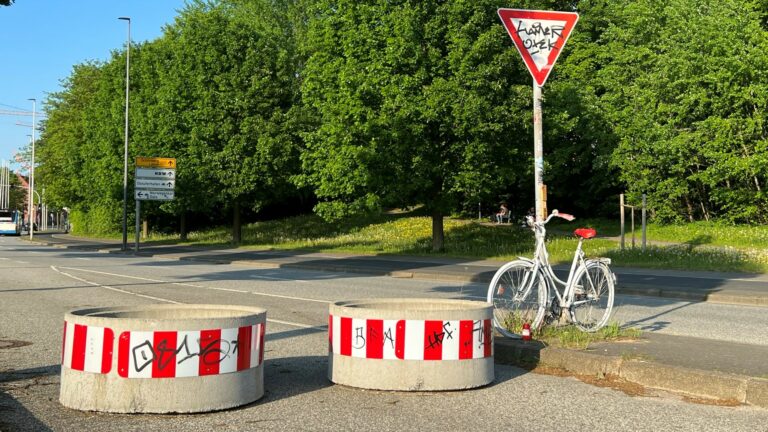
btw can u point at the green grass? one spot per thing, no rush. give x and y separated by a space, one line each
571 337
701 246
712 234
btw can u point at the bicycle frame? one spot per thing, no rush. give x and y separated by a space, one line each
584 299
541 263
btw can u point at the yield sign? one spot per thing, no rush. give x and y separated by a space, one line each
539 36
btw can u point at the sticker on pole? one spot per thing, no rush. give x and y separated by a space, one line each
539 36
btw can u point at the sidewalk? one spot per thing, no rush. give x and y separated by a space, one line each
708 369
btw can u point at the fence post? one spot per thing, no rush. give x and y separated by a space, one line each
644 219
621 212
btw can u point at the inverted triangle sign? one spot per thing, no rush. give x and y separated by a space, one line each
539 37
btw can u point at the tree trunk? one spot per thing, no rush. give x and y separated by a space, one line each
236 223
689 206
438 234
183 226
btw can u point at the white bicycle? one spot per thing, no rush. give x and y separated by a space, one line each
526 290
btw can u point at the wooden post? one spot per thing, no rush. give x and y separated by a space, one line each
644 227
621 216
138 219
632 211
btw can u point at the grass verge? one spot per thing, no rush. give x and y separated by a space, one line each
704 246
572 338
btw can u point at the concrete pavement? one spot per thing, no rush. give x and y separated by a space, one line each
700 368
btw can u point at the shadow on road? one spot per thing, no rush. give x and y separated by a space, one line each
14 416
286 377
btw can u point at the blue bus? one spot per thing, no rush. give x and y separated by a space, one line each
10 222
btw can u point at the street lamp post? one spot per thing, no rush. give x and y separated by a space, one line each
125 156
31 213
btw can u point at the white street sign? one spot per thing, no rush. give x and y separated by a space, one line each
156 173
142 183
155 179
154 195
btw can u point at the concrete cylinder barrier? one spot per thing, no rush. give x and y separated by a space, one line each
162 358
410 344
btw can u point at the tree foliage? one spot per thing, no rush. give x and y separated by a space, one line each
416 105
377 103
684 84
218 92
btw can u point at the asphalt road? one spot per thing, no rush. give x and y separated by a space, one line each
39 284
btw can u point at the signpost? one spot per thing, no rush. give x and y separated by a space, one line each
539 37
155 181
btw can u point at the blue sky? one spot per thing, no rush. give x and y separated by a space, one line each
40 41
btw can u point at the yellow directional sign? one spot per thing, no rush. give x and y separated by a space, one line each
155 162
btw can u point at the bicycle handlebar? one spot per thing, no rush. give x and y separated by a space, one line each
566 216
555 213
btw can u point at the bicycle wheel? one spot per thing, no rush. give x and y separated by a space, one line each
518 296
593 300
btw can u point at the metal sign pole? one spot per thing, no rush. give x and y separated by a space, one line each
539 36
538 153
138 218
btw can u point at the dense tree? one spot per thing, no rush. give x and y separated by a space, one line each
81 150
417 105
235 63
377 103
683 83
218 91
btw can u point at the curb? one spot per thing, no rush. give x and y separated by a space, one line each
690 382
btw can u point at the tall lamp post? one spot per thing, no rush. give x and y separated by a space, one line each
125 156
31 214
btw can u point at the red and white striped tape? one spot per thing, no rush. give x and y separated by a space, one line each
410 339
87 349
163 354
176 354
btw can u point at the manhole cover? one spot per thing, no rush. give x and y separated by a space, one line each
4 344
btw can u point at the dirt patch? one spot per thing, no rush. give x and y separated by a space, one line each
629 388
607 381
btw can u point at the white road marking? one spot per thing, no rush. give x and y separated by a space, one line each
21 262
200 286
323 327
84 259
278 278
291 297
306 326
113 288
